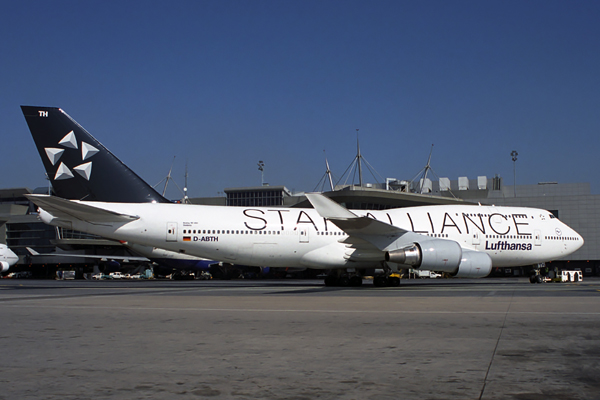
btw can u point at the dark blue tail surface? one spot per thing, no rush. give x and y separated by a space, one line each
78 165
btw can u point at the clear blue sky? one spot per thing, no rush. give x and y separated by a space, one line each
224 84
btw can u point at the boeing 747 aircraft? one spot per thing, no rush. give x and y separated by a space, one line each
461 240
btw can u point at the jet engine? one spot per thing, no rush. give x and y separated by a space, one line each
434 255
4 266
474 264
443 256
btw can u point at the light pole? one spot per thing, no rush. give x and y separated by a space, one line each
261 168
514 155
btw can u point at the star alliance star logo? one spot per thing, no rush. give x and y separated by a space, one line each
70 142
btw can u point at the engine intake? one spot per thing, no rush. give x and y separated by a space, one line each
407 256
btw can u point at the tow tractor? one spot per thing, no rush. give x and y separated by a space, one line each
563 276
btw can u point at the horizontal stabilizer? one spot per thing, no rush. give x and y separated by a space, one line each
73 210
91 256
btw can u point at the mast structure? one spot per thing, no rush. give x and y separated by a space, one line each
356 167
170 178
359 160
327 176
328 172
423 174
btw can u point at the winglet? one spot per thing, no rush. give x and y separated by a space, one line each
328 208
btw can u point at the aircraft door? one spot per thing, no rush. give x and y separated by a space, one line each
476 241
537 237
171 231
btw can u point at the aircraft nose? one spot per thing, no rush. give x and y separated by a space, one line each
580 240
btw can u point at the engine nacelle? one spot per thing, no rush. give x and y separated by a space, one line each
474 264
434 255
4 266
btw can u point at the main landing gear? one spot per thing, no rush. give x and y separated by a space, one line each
343 280
356 281
353 279
384 280
388 278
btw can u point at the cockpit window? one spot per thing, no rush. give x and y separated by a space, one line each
552 216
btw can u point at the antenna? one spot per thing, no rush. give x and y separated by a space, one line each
514 155
261 168
185 187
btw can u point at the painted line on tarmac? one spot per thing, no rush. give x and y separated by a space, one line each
316 311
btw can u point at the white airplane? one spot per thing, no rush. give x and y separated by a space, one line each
7 258
461 240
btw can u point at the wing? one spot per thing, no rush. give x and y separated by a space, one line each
70 210
377 233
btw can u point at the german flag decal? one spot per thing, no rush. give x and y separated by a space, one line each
187 238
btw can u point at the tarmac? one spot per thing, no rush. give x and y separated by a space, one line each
297 339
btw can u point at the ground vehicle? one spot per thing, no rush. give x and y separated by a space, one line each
19 275
563 276
571 276
425 274
62 275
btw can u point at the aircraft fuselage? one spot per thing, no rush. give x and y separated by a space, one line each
289 237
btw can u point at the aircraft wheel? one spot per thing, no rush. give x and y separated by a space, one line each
356 281
538 279
331 280
532 279
344 281
380 281
394 281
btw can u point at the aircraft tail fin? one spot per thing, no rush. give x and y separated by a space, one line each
78 165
